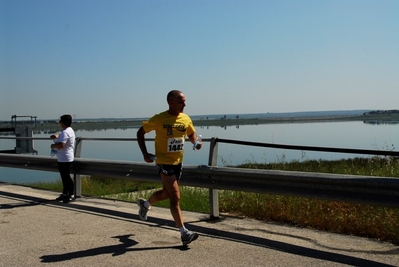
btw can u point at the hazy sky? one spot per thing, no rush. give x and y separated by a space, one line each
119 58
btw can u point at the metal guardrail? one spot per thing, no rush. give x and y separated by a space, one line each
371 190
322 183
359 189
312 148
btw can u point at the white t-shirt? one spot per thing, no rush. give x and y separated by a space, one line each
66 154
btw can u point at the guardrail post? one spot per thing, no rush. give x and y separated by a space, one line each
213 193
76 177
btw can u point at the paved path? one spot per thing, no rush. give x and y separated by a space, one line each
35 230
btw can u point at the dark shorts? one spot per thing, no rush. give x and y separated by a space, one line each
170 170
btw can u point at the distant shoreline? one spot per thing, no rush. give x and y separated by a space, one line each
267 115
220 122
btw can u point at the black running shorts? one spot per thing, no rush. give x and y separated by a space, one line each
170 170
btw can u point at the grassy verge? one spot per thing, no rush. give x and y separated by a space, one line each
381 223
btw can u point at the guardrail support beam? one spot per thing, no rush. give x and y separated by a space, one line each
213 193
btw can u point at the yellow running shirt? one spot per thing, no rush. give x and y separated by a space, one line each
170 135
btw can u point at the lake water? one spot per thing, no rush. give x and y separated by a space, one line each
353 134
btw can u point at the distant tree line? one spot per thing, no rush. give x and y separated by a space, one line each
381 112
225 117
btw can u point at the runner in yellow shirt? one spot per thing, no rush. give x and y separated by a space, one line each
171 128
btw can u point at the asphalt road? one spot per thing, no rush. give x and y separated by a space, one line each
35 230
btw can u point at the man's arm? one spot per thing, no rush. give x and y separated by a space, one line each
58 145
141 141
54 136
192 138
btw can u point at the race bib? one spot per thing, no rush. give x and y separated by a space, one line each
175 145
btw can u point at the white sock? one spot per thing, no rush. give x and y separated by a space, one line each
183 230
147 204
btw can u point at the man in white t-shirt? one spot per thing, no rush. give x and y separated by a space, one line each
65 144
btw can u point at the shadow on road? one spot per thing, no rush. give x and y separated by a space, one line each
127 244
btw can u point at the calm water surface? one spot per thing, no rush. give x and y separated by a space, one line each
325 134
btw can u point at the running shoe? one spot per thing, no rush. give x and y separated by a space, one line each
188 237
143 210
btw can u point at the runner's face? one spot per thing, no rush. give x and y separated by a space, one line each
177 104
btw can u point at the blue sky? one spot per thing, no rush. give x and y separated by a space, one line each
119 58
